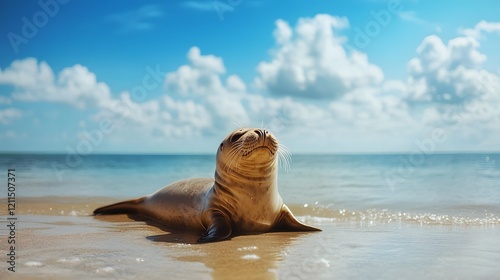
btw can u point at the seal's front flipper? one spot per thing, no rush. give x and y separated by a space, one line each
288 222
219 229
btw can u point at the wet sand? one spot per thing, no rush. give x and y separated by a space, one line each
56 238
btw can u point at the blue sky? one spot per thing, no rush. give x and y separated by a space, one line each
177 76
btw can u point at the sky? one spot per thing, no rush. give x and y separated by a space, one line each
373 76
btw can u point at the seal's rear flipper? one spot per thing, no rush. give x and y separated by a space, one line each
124 207
288 222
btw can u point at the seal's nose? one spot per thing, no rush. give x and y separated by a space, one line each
261 133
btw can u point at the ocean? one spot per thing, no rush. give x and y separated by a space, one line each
413 216
456 189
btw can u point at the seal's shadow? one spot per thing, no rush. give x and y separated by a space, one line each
172 235
182 236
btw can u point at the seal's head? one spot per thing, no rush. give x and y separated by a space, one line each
248 148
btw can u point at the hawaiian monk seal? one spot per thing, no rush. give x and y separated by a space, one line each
242 198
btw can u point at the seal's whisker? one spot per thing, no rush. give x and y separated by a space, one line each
237 124
287 155
281 159
284 157
233 154
267 124
285 163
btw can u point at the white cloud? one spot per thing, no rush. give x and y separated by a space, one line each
187 113
311 62
127 110
283 32
79 86
481 28
200 77
27 73
448 86
371 109
164 117
33 81
9 114
235 84
446 73
479 111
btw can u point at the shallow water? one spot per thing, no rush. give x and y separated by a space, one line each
110 247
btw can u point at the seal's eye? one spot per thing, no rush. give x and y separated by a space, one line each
220 146
236 136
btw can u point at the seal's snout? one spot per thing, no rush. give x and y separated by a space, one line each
249 141
263 141
264 136
261 133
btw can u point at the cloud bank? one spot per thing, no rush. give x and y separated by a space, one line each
312 88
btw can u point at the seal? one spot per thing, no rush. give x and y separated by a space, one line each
242 197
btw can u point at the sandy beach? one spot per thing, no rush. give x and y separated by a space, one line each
57 238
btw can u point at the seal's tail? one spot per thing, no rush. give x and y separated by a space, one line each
124 207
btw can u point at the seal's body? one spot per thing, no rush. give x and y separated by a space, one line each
242 198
